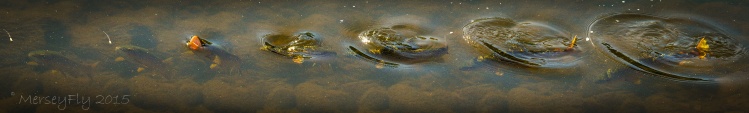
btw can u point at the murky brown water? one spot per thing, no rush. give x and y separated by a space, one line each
374 56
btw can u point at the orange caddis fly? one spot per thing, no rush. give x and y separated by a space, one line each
194 43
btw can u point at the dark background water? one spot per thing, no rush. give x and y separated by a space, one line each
458 81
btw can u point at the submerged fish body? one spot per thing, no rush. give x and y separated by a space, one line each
532 44
220 58
400 44
403 44
55 60
550 58
636 64
143 58
676 48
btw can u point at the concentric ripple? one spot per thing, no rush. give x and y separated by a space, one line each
299 47
400 44
403 43
668 46
528 43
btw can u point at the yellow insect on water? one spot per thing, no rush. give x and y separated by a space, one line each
702 48
572 44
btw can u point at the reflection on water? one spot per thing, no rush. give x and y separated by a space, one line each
374 56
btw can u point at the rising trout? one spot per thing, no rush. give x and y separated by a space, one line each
145 60
222 60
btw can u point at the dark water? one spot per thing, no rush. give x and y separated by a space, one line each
374 56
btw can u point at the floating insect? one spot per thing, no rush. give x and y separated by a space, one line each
702 48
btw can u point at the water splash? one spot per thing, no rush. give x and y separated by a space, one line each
669 47
532 44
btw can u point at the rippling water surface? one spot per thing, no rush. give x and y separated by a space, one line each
374 56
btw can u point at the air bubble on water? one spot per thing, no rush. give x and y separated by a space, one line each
623 1
12 93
